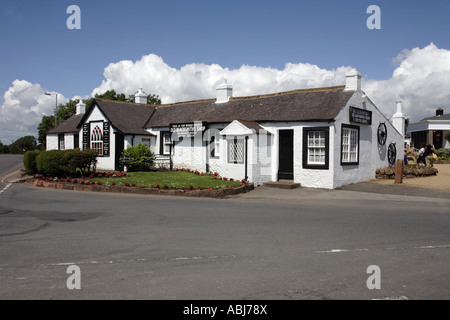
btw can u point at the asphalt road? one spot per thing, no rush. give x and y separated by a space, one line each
311 244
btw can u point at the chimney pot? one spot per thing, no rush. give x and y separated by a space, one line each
81 108
224 92
439 112
353 80
140 97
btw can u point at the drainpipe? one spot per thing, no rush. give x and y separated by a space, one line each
246 158
132 140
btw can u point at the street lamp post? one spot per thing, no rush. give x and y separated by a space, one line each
56 105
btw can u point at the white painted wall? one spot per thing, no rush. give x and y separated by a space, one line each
52 142
372 156
106 162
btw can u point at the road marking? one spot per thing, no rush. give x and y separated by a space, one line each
391 248
5 188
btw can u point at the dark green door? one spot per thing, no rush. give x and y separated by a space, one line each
286 155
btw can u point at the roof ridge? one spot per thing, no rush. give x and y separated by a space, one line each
127 102
259 96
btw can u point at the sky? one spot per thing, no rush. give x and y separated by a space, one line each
182 49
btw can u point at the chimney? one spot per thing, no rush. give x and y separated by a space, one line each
353 80
224 92
398 119
140 97
81 108
439 112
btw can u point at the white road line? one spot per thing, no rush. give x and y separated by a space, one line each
394 248
5 188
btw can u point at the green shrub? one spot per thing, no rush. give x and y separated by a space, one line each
138 158
29 161
58 163
74 162
48 163
443 152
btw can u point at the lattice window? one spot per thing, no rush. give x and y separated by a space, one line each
97 140
236 151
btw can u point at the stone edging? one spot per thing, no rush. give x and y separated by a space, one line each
212 193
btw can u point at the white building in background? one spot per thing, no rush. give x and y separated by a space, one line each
321 138
431 131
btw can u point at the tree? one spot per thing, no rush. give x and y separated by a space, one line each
24 144
1 147
47 123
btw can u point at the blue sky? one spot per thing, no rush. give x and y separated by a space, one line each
38 47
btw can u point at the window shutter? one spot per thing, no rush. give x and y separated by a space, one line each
106 135
86 136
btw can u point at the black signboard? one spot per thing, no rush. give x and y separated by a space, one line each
360 116
187 130
106 135
86 136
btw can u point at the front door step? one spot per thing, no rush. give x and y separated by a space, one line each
282 184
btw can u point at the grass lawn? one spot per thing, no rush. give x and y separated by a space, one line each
172 179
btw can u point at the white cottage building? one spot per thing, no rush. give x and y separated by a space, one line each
321 138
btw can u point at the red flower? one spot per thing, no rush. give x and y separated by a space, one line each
74 180
99 183
127 184
200 188
113 183
183 188
134 185
166 187
191 187
87 182
157 186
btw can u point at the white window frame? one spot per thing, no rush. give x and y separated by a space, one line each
316 148
97 144
350 139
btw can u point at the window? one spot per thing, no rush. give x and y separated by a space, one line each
316 148
97 140
61 142
215 146
166 143
350 145
236 151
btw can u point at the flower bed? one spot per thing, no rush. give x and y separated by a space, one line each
412 171
124 183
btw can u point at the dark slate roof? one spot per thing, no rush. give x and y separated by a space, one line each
443 117
68 126
129 118
322 104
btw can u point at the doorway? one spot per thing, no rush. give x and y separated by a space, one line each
286 155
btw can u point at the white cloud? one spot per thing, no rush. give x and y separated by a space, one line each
22 110
421 80
198 81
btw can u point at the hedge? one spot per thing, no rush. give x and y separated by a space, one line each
29 161
60 163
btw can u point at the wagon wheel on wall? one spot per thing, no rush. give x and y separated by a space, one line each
392 154
382 134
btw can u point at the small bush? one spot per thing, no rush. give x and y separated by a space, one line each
138 158
29 162
65 162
